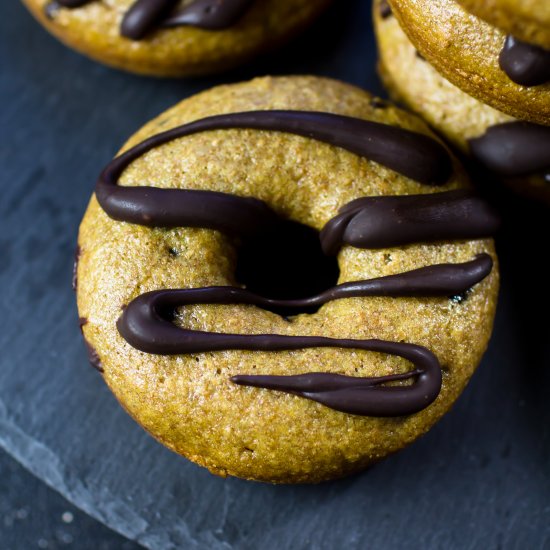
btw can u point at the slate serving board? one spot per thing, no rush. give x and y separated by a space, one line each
479 479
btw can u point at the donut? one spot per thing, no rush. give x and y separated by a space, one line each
286 386
174 37
516 153
482 60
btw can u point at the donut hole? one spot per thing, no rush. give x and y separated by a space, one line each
286 262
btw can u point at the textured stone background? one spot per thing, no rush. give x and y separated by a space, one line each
479 479
33 516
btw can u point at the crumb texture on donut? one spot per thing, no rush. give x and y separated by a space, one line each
188 401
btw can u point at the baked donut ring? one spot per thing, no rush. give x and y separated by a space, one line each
174 37
178 340
481 60
517 153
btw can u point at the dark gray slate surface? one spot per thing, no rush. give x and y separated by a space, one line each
480 479
33 516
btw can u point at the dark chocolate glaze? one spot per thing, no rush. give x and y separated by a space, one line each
386 221
359 395
525 64
514 149
144 16
209 14
147 322
414 155
146 325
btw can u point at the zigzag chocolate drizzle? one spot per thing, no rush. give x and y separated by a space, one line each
146 325
414 155
146 322
144 15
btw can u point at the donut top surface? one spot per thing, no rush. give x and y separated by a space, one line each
144 15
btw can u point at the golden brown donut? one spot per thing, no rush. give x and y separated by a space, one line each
188 401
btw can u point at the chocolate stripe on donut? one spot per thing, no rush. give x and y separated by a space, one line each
514 148
147 325
147 322
145 15
523 63
156 207
409 153
380 222
363 396
209 14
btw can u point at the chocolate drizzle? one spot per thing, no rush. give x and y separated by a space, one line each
146 325
380 222
364 396
209 14
144 16
514 149
414 155
524 63
147 322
